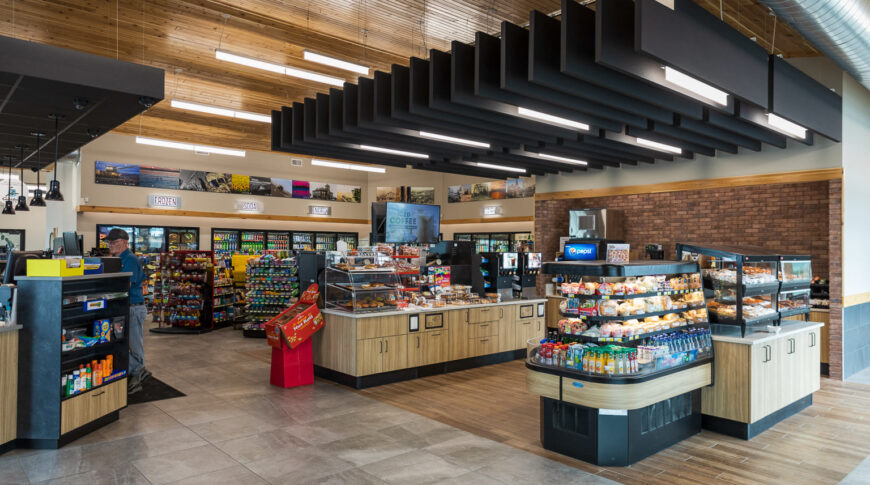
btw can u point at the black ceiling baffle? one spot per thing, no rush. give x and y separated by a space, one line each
94 95
605 88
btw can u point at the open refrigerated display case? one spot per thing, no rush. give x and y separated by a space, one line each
365 282
634 343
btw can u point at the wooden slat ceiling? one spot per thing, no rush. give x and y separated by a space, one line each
181 36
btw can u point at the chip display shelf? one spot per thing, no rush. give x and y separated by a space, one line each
187 305
223 293
621 378
272 286
73 356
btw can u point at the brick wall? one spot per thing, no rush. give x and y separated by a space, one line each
799 218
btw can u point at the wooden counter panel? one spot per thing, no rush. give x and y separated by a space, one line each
387 326
542 384
729 396
487 314
824 317
335 345
635 396
81 410
488 329
9 386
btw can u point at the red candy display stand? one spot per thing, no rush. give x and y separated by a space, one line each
289 336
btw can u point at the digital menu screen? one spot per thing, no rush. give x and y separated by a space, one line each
534 260
509 260
412 223
581 252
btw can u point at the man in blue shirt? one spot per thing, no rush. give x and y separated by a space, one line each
118 241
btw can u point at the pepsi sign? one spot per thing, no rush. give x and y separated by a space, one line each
581 252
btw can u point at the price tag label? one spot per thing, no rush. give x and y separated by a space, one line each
92 306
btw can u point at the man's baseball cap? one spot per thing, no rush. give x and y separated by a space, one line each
116 234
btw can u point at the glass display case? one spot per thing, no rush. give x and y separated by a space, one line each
626 321
741 283
794 302
182 238
794 272
364 282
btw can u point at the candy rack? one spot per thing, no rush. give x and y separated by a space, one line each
272 286
188 307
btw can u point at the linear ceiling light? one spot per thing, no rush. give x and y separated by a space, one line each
700 88
347 166
659 146
268 66
562 159
500 167
451 139
331 61
204 108
189 147
555 120
393 152
786 126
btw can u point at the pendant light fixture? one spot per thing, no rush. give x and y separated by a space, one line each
54 188
22 197
37 200
7 207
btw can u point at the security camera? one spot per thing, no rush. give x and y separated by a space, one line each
93 133
80 103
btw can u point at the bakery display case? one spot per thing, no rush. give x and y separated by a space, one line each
363 282
794 302
741 284
795 272
632 352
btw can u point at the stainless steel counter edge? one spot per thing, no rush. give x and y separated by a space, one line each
340 313
754 338
10 328
71 278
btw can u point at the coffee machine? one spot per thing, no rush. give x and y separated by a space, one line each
525 281
498 271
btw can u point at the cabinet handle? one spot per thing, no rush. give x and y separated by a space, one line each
812 339
434 334
418 341
485 325
466 315
386 345
98 394
382 347
501 313
484 340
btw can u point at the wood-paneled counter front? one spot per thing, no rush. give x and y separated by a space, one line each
8 385
363 350
761 378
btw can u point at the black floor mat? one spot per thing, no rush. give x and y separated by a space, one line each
154 389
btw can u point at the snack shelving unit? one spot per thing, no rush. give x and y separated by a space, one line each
188 307
627 382
272 286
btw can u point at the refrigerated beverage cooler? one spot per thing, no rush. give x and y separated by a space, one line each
224 241
351 239
149 239
303 241
153 239
103 232
252 242
278 241
325 241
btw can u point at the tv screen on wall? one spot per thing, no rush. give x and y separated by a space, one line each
412 223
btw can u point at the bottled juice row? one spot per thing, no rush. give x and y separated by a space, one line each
88 376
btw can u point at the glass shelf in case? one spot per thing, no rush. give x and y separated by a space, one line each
794 302
364 282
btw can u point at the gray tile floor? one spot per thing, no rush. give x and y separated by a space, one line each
234 428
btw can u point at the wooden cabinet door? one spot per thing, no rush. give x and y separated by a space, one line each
765 379
395 353
81 410
458 335
812 348
485 314
369 356
526 329
791 369
507 334
436 346
417 342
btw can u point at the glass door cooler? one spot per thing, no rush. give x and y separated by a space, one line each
278 241
224 240
182 238
522 242
352 239
500 242
303 241
462 237
149 239
325 241
481 242
103 231
252 241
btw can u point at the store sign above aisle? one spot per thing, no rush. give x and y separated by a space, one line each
249 206
164 201
492 210
319 210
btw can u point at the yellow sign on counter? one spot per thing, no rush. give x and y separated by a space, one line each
55 267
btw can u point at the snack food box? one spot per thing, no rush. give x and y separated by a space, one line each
101 330
297 323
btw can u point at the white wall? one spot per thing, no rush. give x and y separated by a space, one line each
856 187
795 157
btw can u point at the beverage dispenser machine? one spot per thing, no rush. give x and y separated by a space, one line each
498 271
526 278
